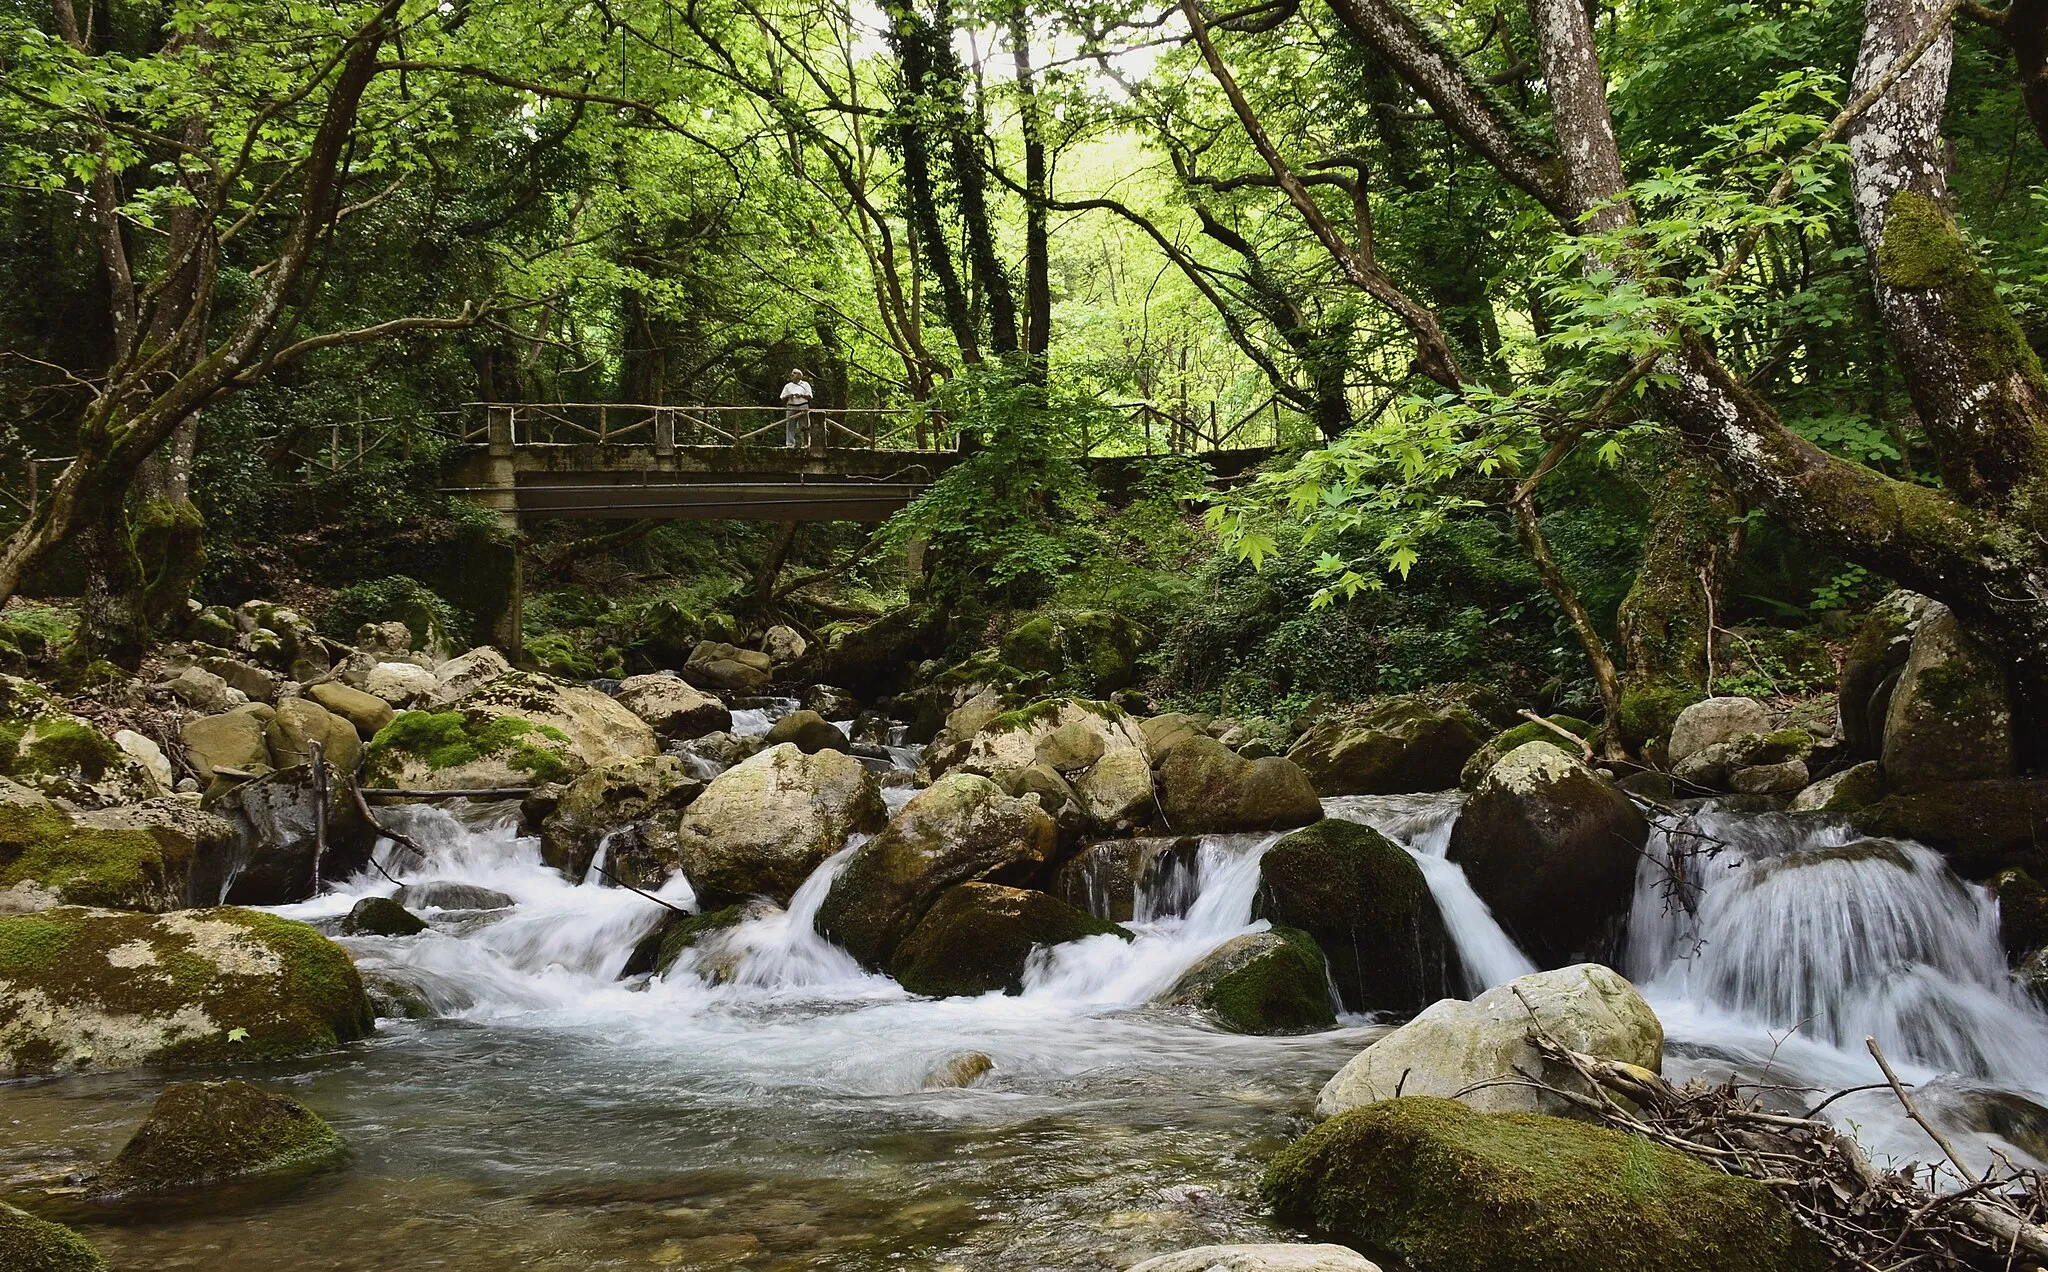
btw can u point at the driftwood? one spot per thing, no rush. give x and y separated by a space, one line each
1868 1219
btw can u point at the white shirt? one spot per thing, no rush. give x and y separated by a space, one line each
797 392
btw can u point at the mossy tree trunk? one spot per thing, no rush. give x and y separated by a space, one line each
1666 621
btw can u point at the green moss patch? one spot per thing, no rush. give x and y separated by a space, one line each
28 1244
450 739
205 1133
685 933
1429 1183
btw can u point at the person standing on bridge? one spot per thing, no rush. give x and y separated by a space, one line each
796 408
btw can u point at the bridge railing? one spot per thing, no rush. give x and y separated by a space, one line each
667 427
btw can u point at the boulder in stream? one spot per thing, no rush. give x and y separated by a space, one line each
960 829
92 990
1475 1051
29 1244
1363 899
763 825
1396 746
1105 878
1432 1183
809 732
277 843
718 665
977 937
205 1134
1950 718
636 802
1205 787
673 707
381 916
1552 850
1260 983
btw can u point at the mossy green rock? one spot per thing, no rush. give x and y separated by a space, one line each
668 945
29 1244
44 747
1507 740
960 829
1396 746
200 1134
1981 827
977 938
1363 899
1857 786
1431 1184
1261 983
1871 667
1950 718
120 868
1094 649
455 750
381 916
84 990
1552 850
1204 786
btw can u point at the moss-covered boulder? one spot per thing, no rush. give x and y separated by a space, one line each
1260 983
1095 649
1162 733
468 750
204 1134
661 950
1507 740
1398 745
1552 850
45 747
29 1244
1981 827
1857 786
638 803
1204 786
131 859
1871 667
1010 739
960 829
1116 792
809 732
673 707
1430 1183
598 728
762 826
2022 913
1363 899
84 990
381 916
976 938
1950 718
1478 1051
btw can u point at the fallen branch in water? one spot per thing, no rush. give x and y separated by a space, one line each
398 837
642 892
1866 1217
1562 732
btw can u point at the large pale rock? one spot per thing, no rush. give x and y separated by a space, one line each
146 753
1552 850
809 732
366 711
1011 739
718 665
783 645
205 1134
1950 718
1260 983
673 707
1854 787
960 829
1204 786
202 690
762 826
1716 720
1428 1183
1162 733
597 728
1363 899
1115 792
1399 745
636 802
1260 1258
978 937
234 740
86 990
458 676
400 684
1473 1051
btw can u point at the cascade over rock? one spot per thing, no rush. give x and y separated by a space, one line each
1364 900
1551 849
961 829
636 802
91 990
1433 1184
1476 1050
762 826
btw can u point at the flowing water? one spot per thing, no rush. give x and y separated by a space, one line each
795 1113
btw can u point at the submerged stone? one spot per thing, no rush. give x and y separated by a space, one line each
1260 1258
202 1134
1430 1183
29 1244
381 916
1261 983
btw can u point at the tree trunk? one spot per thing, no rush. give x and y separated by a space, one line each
112 622
771 567
1665 620
1037 244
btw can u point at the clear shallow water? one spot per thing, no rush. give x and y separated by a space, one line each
565 1119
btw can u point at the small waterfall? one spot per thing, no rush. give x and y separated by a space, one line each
1422 824
779 948
752 722
1779 922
